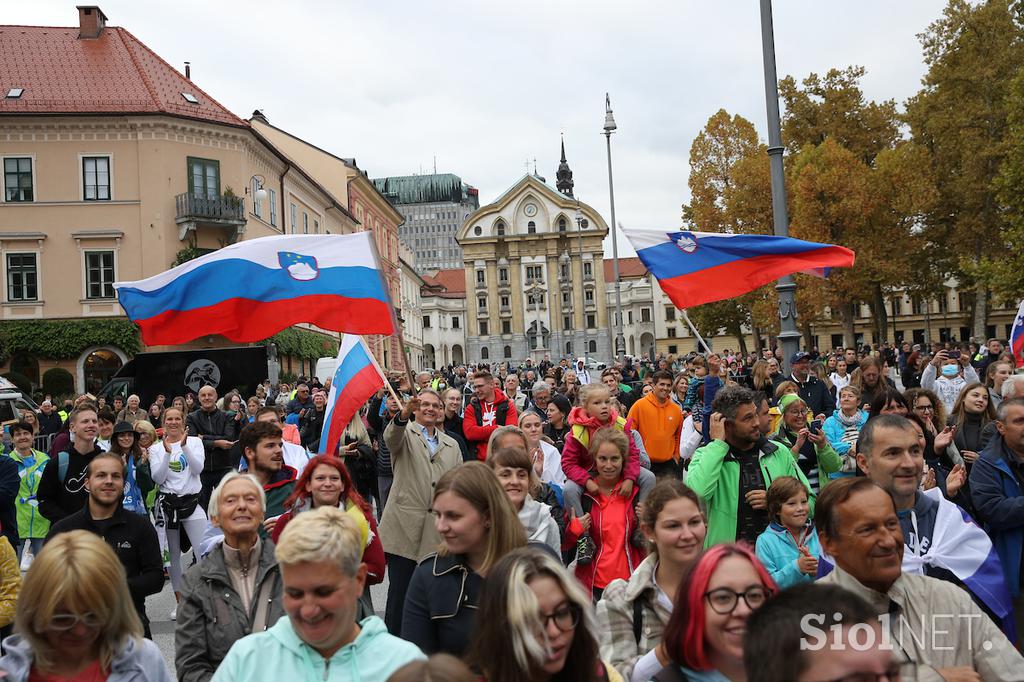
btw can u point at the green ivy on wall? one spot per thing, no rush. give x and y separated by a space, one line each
301 343
66 339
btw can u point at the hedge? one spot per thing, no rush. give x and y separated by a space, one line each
66 339
302 343
20 380
57 381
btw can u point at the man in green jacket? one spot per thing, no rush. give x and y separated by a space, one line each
732 472
32 526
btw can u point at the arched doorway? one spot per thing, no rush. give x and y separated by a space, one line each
457 355
97 365
632 346
647 345
428 354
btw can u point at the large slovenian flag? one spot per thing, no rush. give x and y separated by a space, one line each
694 268
253 289
1017 337
356 378
961 547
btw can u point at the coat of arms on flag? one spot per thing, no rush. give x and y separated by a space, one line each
300 267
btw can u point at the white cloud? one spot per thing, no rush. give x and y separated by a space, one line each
485 86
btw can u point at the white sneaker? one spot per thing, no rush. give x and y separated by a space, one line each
174 613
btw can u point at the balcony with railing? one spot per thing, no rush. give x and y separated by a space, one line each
195 211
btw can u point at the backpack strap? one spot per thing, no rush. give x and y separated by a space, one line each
63 459
638 619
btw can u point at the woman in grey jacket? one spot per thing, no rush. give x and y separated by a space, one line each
100 637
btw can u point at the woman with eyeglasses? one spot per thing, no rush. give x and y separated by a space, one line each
535 623
75 619
704 636
815 456
926 405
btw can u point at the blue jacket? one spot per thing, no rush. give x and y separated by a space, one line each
999 502
279 654
777 550
834 431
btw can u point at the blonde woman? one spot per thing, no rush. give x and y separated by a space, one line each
76 621
478 526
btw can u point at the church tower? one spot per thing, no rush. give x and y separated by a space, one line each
564 175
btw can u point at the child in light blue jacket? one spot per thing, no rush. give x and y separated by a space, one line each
789 547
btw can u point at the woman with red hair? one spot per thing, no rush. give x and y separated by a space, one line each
704 636
325 482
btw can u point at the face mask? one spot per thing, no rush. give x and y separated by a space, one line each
949 371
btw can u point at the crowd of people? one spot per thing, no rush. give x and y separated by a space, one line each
678 519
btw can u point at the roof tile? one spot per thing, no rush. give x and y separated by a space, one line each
628 267
114 73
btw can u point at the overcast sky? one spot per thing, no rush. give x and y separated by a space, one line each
486 85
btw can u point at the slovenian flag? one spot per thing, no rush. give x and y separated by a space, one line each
961 547
1017 337
694 268
253 289
355 379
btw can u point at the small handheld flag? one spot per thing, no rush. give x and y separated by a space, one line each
355 379
694 268
1017 337
253 289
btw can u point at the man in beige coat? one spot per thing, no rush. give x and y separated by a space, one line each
420 454
936 629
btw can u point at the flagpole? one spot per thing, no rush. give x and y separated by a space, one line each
696 333
380 371
394 320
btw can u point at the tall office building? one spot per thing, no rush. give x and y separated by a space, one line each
434 207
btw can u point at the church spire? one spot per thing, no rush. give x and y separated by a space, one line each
564 176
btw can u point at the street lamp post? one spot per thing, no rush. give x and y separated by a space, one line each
788 335
583 299
609 128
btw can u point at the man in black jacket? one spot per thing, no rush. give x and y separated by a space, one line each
311 425
219 431
812 390
61 489
131 536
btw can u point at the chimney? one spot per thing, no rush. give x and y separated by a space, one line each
188 70
91 21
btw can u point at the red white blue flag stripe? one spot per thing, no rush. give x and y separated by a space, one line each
356 378
253 289
1017 336
694 268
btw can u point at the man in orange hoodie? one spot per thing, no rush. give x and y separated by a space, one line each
487 410
659 420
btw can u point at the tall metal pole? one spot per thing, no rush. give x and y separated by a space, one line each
609 128
583 297
788 336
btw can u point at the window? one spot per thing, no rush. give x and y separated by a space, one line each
501 229
629 316
481 302
480 276
588 296
561 224
531 227
566 322
503 275
455 322
305 223
588 269
257 205
897 305
316 227
99 274
591 346
565 298
917 306
672 350
534 272
22 277
670 313
565 271
645 314
504 301
484 331
484 353
96 178
671 332
507 352
944 301
272 200
294 210
203 178
591 321
506 327
426 321
18 183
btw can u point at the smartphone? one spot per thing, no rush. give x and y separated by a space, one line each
816 426
953 355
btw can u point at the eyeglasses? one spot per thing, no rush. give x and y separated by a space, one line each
565 618
924 408
62 622
891 674
798 413
723 600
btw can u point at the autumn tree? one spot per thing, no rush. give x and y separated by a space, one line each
1006 272
961 116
